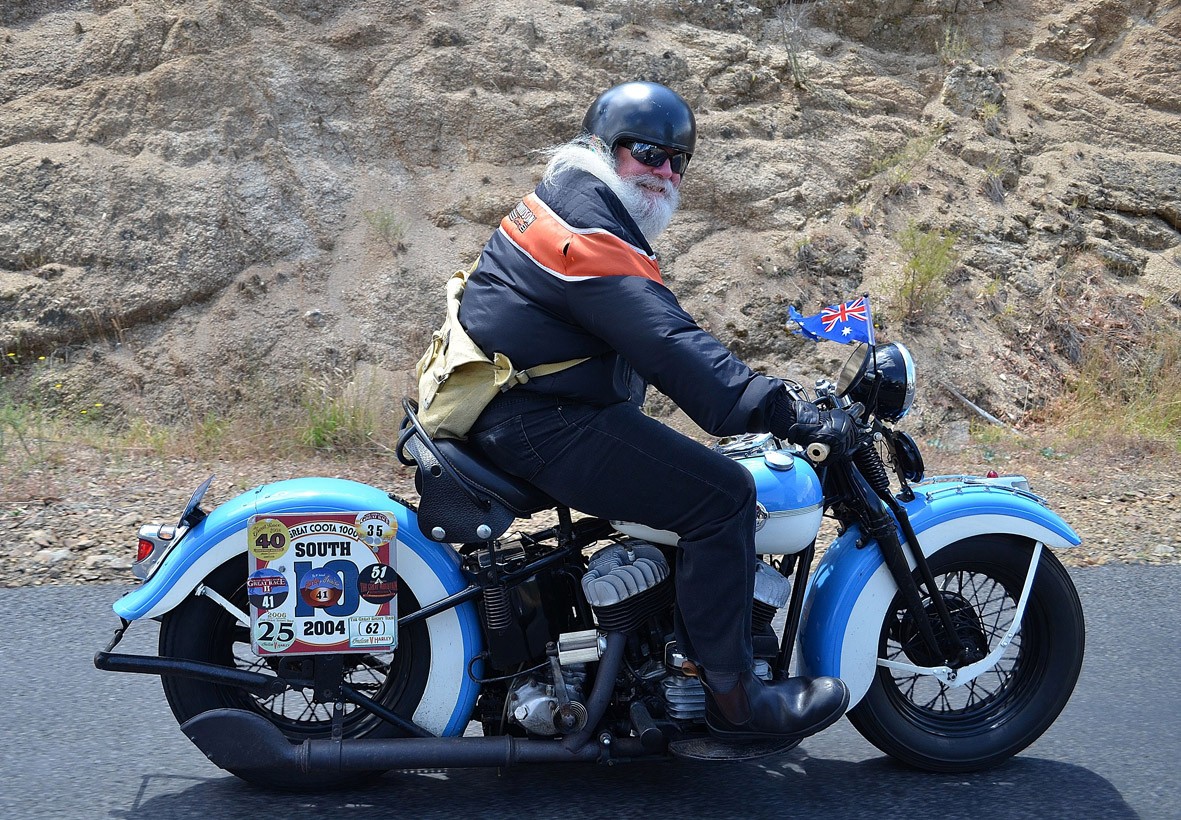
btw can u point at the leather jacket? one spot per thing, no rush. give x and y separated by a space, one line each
568 274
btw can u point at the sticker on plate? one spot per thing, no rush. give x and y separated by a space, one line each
267 588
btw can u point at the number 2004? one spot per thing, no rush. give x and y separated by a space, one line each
323 628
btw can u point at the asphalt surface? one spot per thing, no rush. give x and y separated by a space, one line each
79 743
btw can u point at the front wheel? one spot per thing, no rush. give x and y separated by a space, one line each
921 721
201 630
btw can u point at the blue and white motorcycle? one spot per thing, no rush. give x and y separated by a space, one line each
317 630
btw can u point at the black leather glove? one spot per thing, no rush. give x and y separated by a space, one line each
802 422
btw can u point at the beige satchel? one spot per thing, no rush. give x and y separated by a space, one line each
456 380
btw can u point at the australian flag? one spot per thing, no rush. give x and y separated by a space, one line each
846 323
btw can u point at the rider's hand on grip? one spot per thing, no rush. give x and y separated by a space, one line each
832 428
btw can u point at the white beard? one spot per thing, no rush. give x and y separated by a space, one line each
650 200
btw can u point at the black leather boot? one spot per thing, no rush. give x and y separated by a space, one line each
788 709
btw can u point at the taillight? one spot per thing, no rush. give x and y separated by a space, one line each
155 540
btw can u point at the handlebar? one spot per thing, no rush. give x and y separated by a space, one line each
817 452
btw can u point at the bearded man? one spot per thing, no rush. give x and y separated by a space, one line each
570 274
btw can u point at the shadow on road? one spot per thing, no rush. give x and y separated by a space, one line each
790 785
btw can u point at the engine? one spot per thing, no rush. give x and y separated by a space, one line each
629 588
626 584
684 697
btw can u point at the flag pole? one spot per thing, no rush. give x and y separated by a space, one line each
873 349
869 320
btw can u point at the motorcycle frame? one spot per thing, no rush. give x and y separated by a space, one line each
829 609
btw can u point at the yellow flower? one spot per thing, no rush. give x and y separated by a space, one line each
98 404
40 358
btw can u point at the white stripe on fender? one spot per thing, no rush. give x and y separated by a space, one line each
447 673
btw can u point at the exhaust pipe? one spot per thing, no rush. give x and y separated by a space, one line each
238 740
242 741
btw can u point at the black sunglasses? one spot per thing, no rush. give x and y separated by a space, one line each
654 156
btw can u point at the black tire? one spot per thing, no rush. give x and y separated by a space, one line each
923 722
201 630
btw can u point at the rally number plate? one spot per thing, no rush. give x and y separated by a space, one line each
323 583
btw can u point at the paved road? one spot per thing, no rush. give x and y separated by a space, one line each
79 743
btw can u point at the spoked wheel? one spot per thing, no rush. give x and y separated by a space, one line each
201 630
924 722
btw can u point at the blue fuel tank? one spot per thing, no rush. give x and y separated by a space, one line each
791 499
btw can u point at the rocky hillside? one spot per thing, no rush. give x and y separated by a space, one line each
208 202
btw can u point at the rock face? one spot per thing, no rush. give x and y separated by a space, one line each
208 200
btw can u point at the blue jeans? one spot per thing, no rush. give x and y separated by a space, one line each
616 463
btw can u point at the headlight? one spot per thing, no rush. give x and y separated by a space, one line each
884 385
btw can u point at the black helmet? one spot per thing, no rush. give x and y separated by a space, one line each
648 112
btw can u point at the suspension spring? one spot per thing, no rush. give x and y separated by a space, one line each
869 462
498 610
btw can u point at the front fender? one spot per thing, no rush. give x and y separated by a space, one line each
430 570
851 589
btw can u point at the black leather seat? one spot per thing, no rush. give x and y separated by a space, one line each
515 493
464 497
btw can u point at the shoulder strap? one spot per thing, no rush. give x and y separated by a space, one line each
524 376
518 376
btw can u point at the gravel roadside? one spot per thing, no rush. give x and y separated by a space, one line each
70 516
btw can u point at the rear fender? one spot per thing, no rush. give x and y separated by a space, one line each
430 570
851 589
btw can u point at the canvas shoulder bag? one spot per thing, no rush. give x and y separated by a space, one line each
456 380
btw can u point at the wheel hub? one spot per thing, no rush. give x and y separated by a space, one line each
968 630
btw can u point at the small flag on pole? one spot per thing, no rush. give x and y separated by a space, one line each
846 323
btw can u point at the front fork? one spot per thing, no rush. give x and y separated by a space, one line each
882 517
964 675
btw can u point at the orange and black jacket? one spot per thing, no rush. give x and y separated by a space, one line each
568 274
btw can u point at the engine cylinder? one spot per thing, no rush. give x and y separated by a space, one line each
627 583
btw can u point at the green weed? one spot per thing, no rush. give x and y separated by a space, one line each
24 421
21 426
993 184
931 257
209 434
953 46
339 412
899 167
990 116
142 434
388 227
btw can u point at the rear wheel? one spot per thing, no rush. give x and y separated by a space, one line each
923 722
201 630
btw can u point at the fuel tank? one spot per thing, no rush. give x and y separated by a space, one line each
791 500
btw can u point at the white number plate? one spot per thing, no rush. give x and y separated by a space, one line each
323 583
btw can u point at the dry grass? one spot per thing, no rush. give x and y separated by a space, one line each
1124 383
1124 393
338 414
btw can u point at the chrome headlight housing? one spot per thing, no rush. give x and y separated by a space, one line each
884 381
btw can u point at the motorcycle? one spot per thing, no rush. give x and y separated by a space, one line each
315 631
